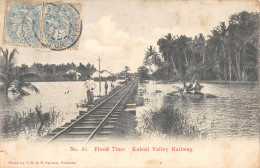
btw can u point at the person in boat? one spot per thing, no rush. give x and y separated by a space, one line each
184 85
183 90
197 88
189 88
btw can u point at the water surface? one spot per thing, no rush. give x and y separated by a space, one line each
233 114
63 96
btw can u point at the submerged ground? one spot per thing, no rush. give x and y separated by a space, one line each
232 114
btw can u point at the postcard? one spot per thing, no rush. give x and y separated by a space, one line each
112 83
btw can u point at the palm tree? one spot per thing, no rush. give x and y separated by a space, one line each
19 84
143 73
11 82
171 50
182 43
126 70
167 48
152 57
218 43
7 65
202 42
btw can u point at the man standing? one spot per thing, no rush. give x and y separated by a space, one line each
106 87
90 86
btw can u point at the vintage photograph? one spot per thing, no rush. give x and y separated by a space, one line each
129 83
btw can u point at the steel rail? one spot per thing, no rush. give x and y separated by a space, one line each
106 117
83 116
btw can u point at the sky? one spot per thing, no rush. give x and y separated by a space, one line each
119 32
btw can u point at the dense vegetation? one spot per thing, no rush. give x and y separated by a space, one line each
16 79
10 80
229 53
31 123
168 122
52 72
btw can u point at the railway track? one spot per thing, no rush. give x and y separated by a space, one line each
95 123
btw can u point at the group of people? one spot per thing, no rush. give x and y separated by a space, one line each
193 86
90 87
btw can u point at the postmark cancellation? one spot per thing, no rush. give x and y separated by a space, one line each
52 25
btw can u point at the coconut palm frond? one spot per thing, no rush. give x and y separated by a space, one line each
11 57
2 78
9 80
2 87
23 92
14 91
29 86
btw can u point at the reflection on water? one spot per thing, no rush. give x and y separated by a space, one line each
234 113
63 96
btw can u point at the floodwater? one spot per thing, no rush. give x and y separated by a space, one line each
62 96
234 113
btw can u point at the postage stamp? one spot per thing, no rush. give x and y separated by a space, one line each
60 26
56 26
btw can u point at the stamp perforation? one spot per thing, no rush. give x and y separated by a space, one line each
76 6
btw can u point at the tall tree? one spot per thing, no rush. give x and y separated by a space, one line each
152 57
11 82
126 71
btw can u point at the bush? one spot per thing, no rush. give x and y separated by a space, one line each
168 121
29 123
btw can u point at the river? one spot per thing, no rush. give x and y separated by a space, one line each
62 97
234 113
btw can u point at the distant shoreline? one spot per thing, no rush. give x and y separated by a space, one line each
230 82
71 81
170 81
212 81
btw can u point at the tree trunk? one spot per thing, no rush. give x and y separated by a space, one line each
244 72
6 91
8 85
186 58
224 60
224 72
203 54
230 72
192 52
233 67
195 78
180 68
168 62
238 65
173 65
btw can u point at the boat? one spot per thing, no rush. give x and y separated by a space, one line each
191 95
